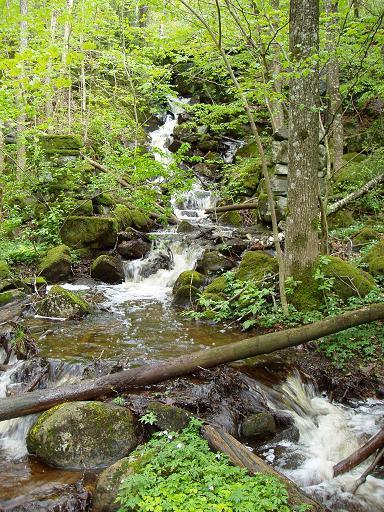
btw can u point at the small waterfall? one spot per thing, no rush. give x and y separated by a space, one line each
329 432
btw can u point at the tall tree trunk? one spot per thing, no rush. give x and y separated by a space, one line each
49 101
334 112
21 152
302 244
67 36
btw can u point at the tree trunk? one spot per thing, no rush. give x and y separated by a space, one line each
49 101
240 456
301 245
375 443
21 152
64 55
41 400
334 112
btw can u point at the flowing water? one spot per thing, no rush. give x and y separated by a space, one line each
138 325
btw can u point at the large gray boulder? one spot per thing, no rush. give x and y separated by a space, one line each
83 435
108 269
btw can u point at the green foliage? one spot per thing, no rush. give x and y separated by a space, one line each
149 419
364 343
183 474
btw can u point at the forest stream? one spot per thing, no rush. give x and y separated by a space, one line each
137 324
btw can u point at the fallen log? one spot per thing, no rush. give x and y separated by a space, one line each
360 481
40 400
371 446
240 456
232 207
355 195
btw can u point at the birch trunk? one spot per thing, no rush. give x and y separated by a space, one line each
302 245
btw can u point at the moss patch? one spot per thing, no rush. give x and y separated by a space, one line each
365 235
189 278
217 286
131 217
56 265
375 259
63 304
340 219
90 232
4 270
60 144
231 219
255 265
11 296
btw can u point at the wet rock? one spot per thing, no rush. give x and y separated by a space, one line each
56 265
231 219
185 227
281 134
89 232
132 217
214 262
4 269
62 303
233 247
81 435
132 234
169 417
259 425
133 249
185 296
160 260
291 434
108 269
280 152
188 278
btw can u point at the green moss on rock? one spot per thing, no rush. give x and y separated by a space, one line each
259 425
82 435
83 207
255 265
11 296
350 281
185 296
375 259
340 219
4 270
365 235
217 286
189 278
62 303
90 232
131 217
60 144
56 265
231 219
213 262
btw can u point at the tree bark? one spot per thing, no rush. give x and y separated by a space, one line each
21 152
355 195
41 400
301 243
240 456
49 101
64 55
375 443
232 207
334 112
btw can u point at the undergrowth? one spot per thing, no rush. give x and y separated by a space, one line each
179 473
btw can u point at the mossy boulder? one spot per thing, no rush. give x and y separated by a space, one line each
83 207
185 296
108 269
83 435
132 217
340 219
255 265
134 249
169 417
108 484
60 144
11 296
231 219
4 270
213 262
348 281
217 286
185 227
62 303
375 259
89 232
189 278
365 235
248 150
259 425
56 265
31 284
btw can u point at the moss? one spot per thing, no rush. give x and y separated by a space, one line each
56 265
11 296
169 417
255 265
131 217
217 286
259 425
231 219
365 235
213 262
189 278
307 296
60 144
248 150
185 295
108 268
84 207
4 270
375 259
340 219
90 232
62 303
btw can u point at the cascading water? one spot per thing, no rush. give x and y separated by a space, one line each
329 432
